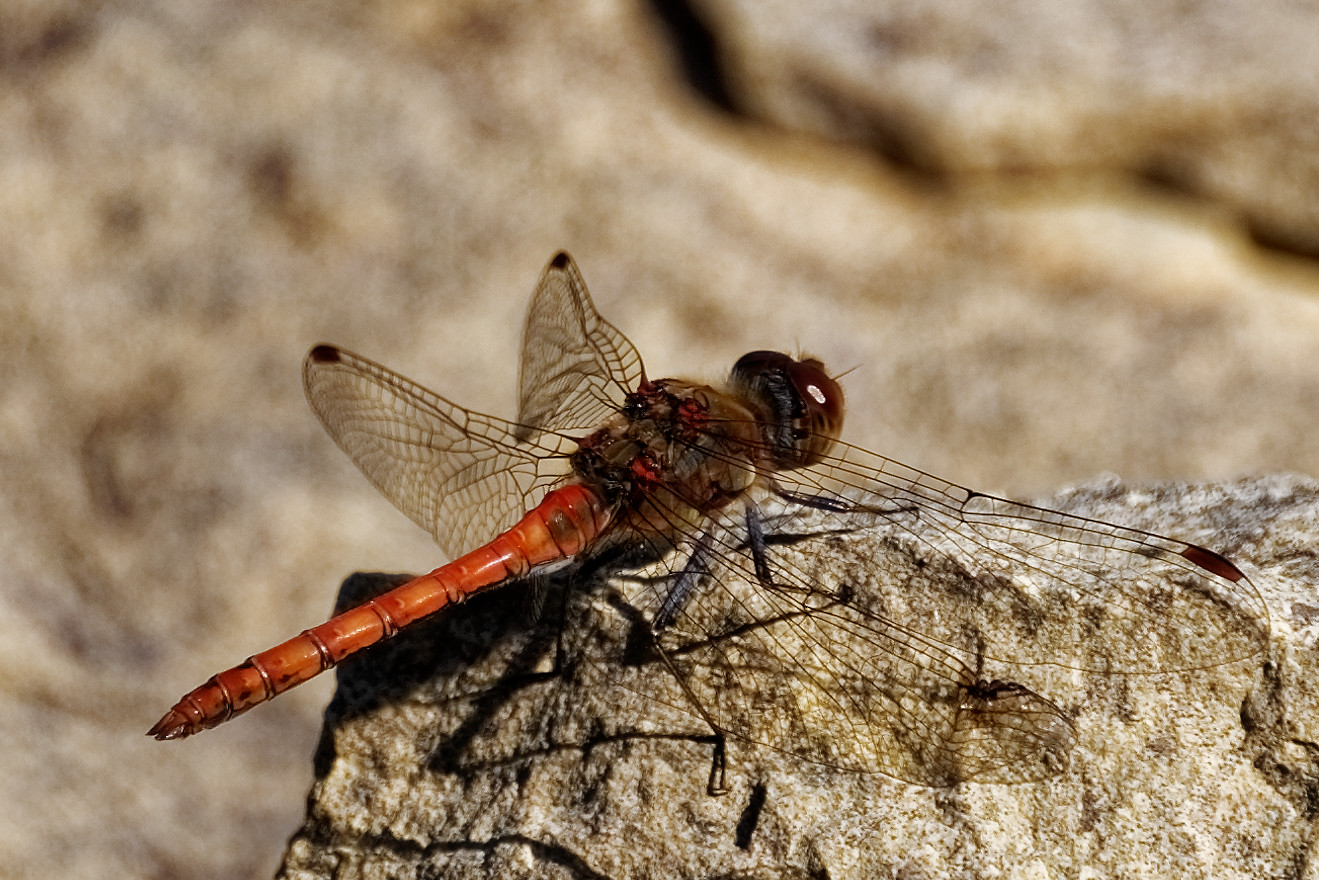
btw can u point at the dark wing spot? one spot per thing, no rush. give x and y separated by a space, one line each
324 354
1212 562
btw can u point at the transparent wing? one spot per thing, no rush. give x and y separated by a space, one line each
1034 585
576 366
799 662
460 475
796 630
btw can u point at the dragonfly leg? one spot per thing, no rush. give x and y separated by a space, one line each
756 543
834 504
759 547
697 566
827 503
718 782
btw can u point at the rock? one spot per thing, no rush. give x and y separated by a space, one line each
466 750
1211 99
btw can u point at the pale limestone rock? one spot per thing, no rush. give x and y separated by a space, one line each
459 751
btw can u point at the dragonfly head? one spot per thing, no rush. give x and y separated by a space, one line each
802 405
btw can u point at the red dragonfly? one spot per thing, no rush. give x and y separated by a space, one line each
866 670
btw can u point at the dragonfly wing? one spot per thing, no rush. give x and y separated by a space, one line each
462 476
798 664
576 366
1032 585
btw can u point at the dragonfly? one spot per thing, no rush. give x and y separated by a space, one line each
868 663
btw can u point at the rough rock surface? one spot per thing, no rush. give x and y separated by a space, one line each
191 195
461 751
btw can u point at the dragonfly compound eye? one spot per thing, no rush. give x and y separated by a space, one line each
804 406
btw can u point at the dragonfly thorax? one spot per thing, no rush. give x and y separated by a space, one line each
675 452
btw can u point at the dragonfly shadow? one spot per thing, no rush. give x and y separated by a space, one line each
499 676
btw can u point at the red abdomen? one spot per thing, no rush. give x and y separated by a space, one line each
564 524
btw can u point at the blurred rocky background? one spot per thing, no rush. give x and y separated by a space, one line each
1048 242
